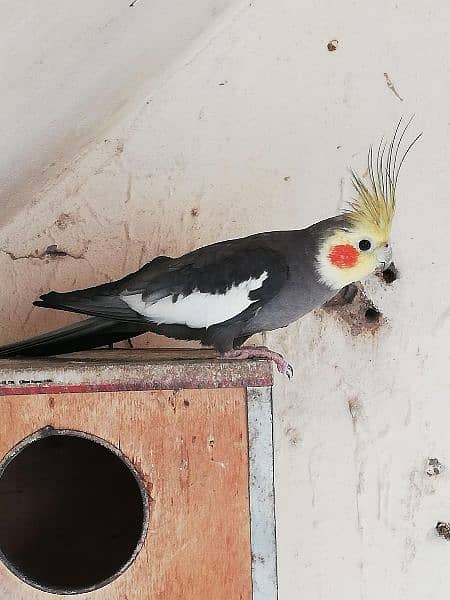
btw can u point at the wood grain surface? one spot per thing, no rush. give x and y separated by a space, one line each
190 447
113 370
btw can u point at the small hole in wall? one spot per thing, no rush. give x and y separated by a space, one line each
390 274
332 45
443 529
372 314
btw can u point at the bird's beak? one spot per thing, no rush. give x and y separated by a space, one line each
384 257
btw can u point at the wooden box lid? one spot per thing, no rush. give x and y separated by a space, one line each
112 370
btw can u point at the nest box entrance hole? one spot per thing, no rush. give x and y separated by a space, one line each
73 511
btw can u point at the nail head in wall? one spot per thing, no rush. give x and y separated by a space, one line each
195 212
443 529
332 45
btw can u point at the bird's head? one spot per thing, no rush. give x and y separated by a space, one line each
359 244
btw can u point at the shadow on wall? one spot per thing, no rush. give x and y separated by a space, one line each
81 67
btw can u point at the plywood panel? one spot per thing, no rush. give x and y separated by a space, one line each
113 370
190 446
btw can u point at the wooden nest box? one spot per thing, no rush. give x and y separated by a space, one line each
137 475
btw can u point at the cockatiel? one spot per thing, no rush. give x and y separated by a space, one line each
224 293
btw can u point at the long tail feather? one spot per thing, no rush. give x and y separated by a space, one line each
88 302
84 335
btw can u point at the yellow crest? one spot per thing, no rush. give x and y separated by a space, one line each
374 206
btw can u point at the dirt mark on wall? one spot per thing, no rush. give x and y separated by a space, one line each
352 307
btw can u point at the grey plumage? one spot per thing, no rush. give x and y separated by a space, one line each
292 288
223 293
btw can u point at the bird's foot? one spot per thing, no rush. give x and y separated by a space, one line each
282 365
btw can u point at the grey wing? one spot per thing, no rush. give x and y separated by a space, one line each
202 290
211 285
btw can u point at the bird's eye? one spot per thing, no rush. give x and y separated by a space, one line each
365 245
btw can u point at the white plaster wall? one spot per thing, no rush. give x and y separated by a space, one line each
68 70
251 127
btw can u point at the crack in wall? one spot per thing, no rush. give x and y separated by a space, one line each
51 251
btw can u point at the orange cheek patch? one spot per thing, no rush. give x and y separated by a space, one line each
343 256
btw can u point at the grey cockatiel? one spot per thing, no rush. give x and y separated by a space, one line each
224 293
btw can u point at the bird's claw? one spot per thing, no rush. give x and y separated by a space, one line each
282 364
249 352
285 368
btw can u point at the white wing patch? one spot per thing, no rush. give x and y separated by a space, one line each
198 309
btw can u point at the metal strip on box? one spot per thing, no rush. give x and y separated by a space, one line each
262 494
